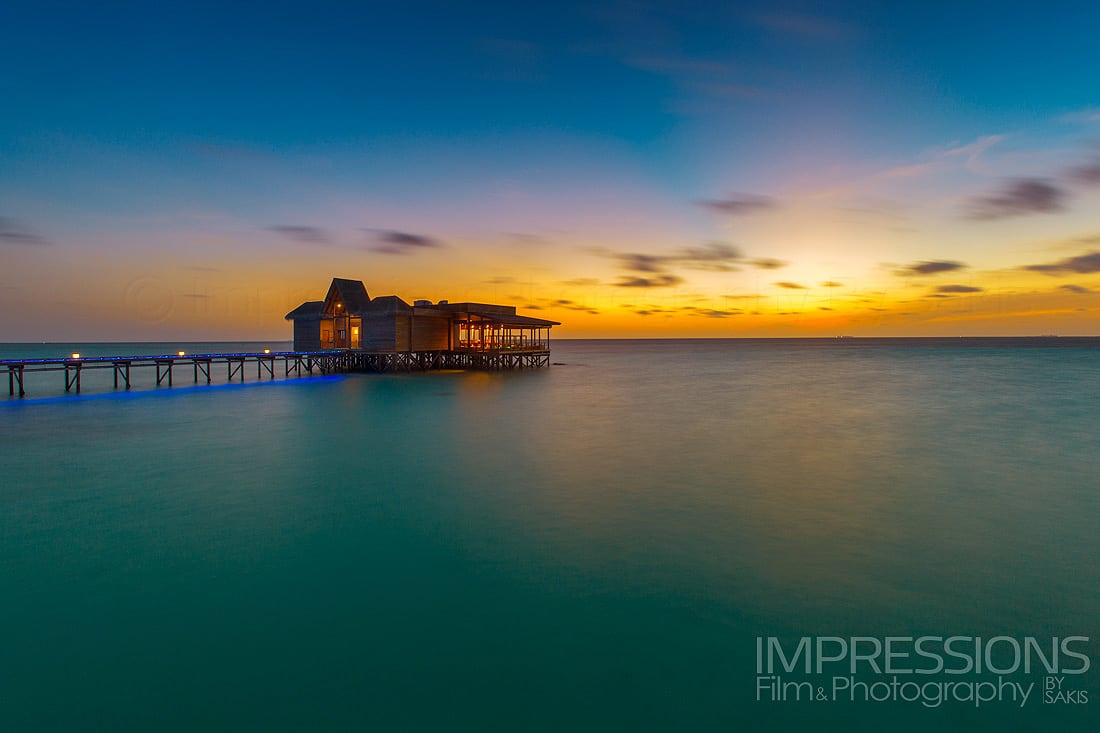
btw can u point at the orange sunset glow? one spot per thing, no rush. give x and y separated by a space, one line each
738 197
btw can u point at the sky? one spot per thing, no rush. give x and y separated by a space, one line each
631 169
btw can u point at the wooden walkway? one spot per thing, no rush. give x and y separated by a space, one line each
286 363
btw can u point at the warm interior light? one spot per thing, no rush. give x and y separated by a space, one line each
267 351
181 353
76 356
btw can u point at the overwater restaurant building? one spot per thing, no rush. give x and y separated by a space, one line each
348 318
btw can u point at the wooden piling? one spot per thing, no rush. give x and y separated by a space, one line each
299 364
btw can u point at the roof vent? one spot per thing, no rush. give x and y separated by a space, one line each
422 303
443 302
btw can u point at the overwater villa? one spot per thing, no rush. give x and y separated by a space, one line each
348 331
460 334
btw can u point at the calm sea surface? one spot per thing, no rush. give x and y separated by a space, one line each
591 547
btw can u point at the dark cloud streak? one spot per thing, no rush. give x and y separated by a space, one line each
637 262
1082 264
931 267
1085 175
393 242
663 280
716 256
656 269
302 234
1016 198
12 232
767 263
739 204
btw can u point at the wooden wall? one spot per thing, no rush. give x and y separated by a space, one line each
430 333
402 327
379 333
307 335
385 332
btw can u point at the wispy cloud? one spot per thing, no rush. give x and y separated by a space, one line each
714 256
832 284
717 256
392 242
789 285
931 267
767 263
659 270
1018 197
1080 289
938 158
639 262
1085 175
301 233
739 204
959 289
657 281
572 305
12 232
1080 264
971 152
711 312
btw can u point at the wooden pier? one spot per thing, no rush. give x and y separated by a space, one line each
268 364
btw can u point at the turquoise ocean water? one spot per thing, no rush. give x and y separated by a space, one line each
590 547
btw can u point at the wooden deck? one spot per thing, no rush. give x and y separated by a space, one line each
268 365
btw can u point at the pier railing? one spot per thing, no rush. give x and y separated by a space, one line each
268 364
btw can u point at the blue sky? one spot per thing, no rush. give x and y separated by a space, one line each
541 146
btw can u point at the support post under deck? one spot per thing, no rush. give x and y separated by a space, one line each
201 366
72 376
167 364
123 368
15 376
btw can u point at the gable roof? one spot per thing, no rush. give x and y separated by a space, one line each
352 297
350 294
389 304
311 309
